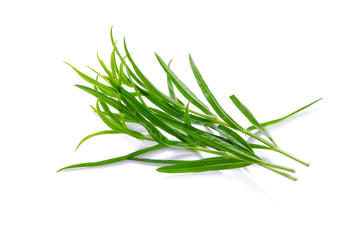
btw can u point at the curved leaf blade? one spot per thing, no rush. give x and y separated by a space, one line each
171 90
210 97
95 134
187 115
149 160
203 165
113 160
285 117
258 146
250 117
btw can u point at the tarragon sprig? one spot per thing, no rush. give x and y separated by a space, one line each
125 95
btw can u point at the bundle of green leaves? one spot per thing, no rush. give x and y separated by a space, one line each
125 95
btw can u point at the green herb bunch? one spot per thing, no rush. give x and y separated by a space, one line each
125 95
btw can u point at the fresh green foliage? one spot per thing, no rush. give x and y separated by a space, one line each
125 95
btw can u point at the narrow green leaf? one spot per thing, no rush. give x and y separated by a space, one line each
285 117
203 165
92 81
106 70
250 117
185 91
171 90
187 115
122 76
115 70
258 146
148 160
210 97
95 134
120 113
187 121
113 160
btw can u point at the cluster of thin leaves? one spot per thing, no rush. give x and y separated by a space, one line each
127 96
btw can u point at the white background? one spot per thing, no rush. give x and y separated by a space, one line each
276 56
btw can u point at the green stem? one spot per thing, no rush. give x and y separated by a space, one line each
291 156
281 173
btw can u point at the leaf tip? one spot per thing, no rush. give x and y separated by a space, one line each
161 169
76 148
68 64
124 42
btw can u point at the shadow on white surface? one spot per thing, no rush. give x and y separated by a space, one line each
243 176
